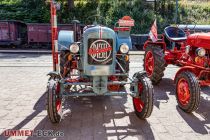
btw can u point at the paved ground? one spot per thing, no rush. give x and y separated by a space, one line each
22 107
41 51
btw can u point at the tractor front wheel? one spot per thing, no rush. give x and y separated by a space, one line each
54 101
143 103
154 63
187 91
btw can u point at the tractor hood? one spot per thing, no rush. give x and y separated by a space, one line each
97 31
199 40
99 49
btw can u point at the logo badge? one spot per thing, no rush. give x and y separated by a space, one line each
100 50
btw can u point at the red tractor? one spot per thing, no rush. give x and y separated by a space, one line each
191 53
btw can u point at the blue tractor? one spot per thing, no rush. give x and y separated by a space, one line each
98 65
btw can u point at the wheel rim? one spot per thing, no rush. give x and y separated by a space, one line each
138 103
183 91
58 100
149 63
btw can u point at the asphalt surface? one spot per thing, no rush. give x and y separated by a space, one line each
23 83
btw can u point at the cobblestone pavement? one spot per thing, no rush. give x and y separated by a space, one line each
22 107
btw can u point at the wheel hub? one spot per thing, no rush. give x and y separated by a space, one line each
139 104
149 63
183 91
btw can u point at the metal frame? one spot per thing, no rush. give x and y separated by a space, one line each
66 82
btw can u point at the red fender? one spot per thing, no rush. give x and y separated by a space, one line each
185 68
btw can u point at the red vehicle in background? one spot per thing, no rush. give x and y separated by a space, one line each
190 52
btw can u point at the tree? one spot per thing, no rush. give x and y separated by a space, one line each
70 4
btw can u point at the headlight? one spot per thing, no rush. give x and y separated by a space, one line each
201 52
74 48
124 48
187 50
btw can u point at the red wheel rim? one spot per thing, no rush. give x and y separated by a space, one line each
58 100
149 63
138 103
183 91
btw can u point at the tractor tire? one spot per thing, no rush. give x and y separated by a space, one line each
143 104
64 63
154 63
187 91
54 101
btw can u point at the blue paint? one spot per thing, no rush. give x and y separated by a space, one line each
65 39
92 68
126 40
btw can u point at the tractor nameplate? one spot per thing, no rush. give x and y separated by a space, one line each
100 51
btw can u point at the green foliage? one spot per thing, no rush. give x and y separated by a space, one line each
26 10
143 16
111 10
195 13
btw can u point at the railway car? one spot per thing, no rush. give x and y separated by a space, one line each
17 33
32 35
12 33
39 34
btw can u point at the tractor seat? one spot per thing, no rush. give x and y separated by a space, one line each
175 34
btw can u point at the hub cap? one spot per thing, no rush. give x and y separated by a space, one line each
149 63
139 104
183 92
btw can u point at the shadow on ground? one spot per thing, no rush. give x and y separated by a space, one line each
162 90
37 109
92 118
199 120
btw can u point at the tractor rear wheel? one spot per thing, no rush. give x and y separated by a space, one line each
187 91
64 63
54 101
154 63
143 103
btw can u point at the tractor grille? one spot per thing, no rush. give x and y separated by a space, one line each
100 51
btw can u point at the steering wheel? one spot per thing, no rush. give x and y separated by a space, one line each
96 18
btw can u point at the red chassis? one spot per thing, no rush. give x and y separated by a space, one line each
191 53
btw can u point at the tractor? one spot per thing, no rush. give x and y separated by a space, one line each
191 52
97 65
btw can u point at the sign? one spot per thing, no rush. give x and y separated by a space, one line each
129 23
